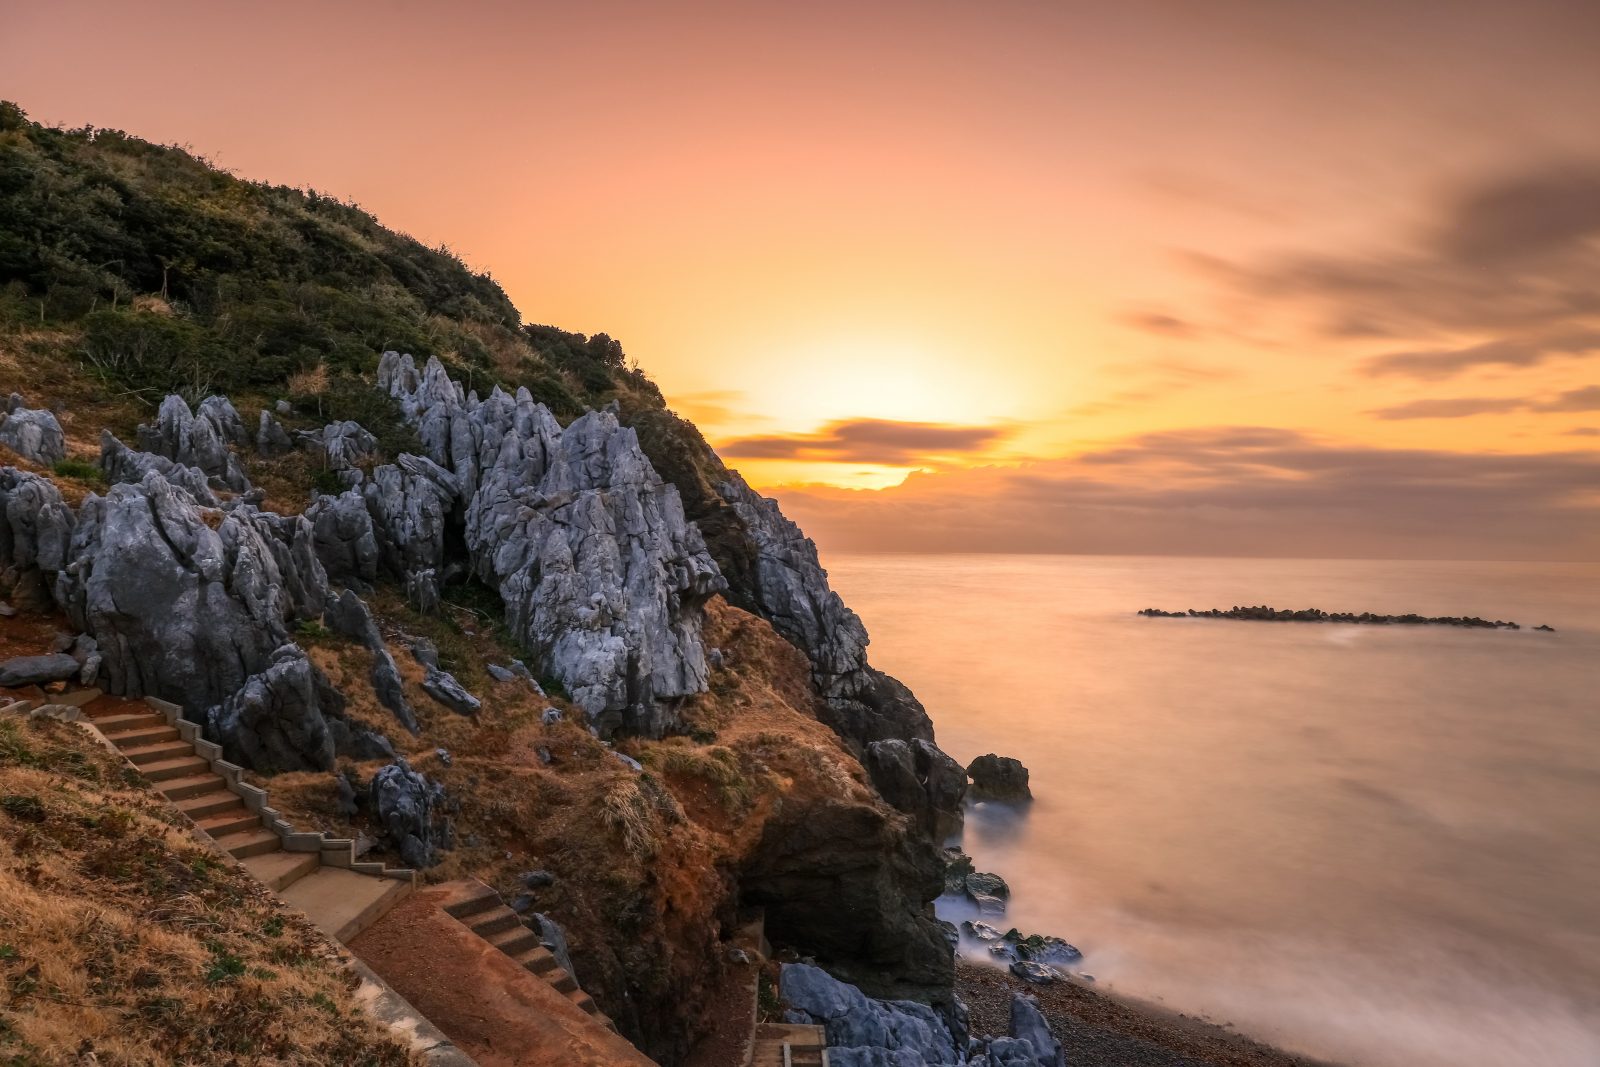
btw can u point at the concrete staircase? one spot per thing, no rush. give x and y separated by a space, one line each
318 875
483 911
790 1045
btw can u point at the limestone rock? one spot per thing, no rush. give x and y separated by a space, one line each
271 438
443 687
275 722
554 938
602 576
854 1022
119 463
998 778
409 808
180 610
36 525
344 538
37 670
343 444
199 439
32 433
349 615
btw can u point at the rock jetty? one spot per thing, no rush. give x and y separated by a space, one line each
1262 613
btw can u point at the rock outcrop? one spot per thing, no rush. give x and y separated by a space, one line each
36 528
276 720
410 809
271 438
998 778
343 445
32 433
199 438
181 610
920 780
348 614
119 463
601 575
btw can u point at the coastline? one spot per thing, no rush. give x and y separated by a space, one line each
1101 1029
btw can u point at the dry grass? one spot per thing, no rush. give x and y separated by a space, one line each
125 941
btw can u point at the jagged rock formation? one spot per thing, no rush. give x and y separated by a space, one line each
35 536
343 444
32 433
275 722
199 438
349 615
600 573
410 809
180 610
271 438
873 1033
792 591
119 463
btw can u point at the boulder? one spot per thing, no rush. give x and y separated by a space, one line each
1028 1024
345 539
554 938
275 722
1035 972
32 433
855 1022
443 687
38 670
343 444
409 809
998 778
980 882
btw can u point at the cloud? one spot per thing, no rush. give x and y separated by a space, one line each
1584 399
869 441
1160 323
1517 352
1240 490
717 407
1585 431
1506 268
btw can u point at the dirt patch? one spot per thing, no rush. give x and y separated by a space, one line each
494 1010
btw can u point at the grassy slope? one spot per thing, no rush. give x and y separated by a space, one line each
123 941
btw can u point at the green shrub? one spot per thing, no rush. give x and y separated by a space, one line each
80 469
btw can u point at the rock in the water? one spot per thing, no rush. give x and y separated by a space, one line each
1032 971
998 778
1042 948
32 433
275 722
37 670
981 930
443 687
409 808
957 866
980 882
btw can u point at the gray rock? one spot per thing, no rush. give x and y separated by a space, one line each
550 716
520 669
1038 973
521 903
348 614
271 438
628 761
500 674
180 610
344 792
920 780
199 439
554 938
982 883
981 930
345 540
443 687
425 652
409 808
343 444
36 528
283 407
275 722
987 904
119 463
1051 951
32 433
998 778
411 501
443 756
601 575
544 755
853 1021
37 670
1028 1024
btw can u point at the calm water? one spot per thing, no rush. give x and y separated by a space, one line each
1377 845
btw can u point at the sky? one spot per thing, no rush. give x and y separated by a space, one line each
1238 276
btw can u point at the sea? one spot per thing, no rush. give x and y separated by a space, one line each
1376 845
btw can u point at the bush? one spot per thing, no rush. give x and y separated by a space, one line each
79 469
154 354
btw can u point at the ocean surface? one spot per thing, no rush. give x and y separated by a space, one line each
1377 845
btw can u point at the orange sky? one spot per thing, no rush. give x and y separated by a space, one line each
1031 230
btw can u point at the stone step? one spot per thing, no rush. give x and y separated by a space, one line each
166 770
139 755
208 804
514 941
563 982
582 1000
248 843
479 898
343 903
495 921
192 786
279 870
232 821
537 959
115 726
148 735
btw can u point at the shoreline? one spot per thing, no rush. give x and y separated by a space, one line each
1097 1028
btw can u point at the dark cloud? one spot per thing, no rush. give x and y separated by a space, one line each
869 441
1584 399
1517 352
1510 260
1233 491
1585 431
1160 323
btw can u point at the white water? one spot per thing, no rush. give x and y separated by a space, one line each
1379 845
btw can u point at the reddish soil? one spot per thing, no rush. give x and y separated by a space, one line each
495 1011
